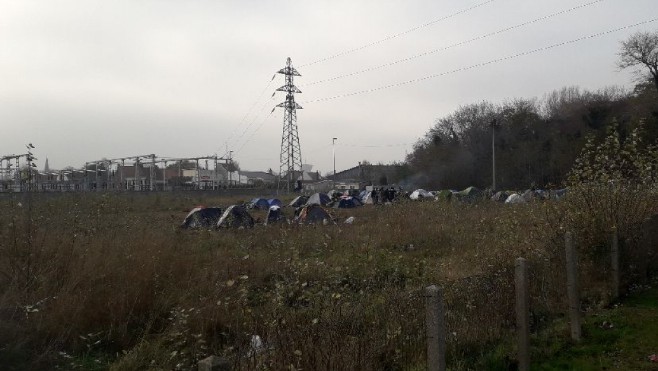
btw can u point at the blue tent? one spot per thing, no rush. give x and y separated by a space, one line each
259 203
274 202
347 203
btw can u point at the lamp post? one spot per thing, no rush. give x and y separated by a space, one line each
333 147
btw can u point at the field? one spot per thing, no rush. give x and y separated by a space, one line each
109 281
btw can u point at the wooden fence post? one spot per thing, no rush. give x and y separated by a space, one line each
522 313
573 292
435 322
614 263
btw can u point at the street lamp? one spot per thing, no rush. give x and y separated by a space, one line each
333 145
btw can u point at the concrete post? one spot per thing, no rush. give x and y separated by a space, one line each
436 330
522 313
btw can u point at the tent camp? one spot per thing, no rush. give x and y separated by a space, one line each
346 203
298 201
274 202
311 214
420 194
274 215
259 203
202 217
318 199
235 216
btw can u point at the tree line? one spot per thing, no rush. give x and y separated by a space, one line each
536 140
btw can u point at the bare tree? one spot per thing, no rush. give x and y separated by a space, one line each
641 49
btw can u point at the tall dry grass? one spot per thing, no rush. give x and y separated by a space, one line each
110 281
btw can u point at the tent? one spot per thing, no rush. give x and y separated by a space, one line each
559 193
444 195
298 201
469 194
500 196
235 216
274 215
313 213
334 193
528 195
514 198
420 194
366 198
346 203
202 217
274 202
259 203
318 199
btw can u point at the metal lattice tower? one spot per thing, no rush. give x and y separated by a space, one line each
291 153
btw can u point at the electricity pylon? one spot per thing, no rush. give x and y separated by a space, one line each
291 153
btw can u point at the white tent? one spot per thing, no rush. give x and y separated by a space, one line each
420 194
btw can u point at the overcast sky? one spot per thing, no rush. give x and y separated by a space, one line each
85 80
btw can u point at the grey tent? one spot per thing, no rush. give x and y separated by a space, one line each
313 213
318 199
298 201
235 216
202 217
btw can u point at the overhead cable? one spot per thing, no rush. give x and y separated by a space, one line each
391 37
251 108
461 43
477 65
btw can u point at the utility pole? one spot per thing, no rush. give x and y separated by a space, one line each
229 166
333 144
493 154
291 153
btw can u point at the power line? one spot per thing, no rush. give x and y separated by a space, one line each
461 43
391 37
251 108
482 64
254 132
253 120
375 145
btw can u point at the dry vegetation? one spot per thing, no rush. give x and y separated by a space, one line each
98 281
